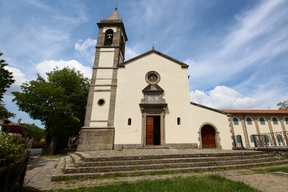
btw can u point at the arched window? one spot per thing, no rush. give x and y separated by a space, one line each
129 121
286 119
235 121
249 121
262 121
109 37
178 121
275 121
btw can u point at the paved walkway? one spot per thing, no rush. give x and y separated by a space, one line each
40 170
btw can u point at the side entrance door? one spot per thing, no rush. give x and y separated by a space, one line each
208 137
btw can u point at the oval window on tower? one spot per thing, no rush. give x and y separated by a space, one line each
101 102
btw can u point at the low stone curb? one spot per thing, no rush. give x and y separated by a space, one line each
280 174
97 175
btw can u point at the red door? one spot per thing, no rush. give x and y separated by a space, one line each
149 131
208 137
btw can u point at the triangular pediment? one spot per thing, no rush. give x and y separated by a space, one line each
183 65
153 88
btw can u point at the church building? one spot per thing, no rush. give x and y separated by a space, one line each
145 101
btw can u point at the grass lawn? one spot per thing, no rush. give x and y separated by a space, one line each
193 183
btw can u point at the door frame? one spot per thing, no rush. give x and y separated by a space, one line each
154 112
217 138
153 128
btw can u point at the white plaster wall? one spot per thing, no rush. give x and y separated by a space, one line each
276 128
102 88
100 112
103 81
98 124
106 28
200 116
131 82
104 73
106 57
263 128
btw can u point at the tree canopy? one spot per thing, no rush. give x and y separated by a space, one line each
34 131
6 79
59 103
283 105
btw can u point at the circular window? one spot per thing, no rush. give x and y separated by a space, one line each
152 77
101 102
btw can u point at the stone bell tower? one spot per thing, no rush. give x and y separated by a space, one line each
98 131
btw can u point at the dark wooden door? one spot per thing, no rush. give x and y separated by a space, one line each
149 131
208 137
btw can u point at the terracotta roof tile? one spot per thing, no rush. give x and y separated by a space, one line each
257 111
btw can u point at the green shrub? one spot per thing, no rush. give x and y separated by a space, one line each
11 147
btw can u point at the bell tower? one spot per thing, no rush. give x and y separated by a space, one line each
98 131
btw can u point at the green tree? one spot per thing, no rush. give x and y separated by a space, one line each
34 131
6 79
59 103
283 105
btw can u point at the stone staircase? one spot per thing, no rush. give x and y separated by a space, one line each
82 165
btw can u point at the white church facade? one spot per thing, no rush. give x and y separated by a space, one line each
145 101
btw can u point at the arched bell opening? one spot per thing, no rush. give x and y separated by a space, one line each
109 37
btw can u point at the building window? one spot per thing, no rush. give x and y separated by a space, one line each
286 119
262 121
249 121
266 137
275 121
252 138
178 121
101 102
129 121
239 139
279 138
235 121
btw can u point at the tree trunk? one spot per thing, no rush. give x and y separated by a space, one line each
49 148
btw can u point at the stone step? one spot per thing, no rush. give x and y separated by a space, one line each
70 169
80 163
57 177
89 158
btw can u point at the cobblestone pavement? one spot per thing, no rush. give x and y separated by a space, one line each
40 170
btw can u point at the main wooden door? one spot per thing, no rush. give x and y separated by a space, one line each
149 131
208 137
153 133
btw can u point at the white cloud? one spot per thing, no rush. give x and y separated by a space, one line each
19 79
87 47
47 66
222 97
259 36
129 53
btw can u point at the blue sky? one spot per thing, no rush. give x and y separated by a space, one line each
237 50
